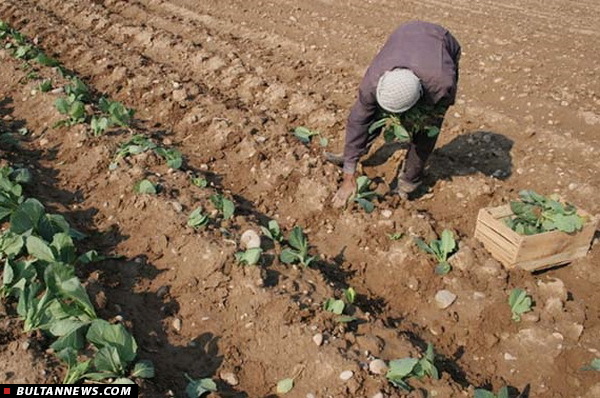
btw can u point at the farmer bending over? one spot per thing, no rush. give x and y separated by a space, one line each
414 76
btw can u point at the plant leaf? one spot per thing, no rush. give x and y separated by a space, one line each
107 359
103 334
481 393
448 244
335 306
377 125
39 249
519 303
197 219
594 365
250 256
400 368
423 246
197 388
143 369
74 339
367 205
27 216
200 182
350 295
503 392
123 380
297 239
288 256
228 209
443 268
284 386
145 187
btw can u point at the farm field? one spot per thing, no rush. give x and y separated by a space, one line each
223 84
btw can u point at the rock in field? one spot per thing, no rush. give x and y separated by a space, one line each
444 299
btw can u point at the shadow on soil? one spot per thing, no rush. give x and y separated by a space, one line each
479 151
483 152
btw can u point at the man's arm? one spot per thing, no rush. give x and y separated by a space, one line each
357 128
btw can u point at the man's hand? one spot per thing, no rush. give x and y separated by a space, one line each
347 189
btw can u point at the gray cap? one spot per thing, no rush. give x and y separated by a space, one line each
398 90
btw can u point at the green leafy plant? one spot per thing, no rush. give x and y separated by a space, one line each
334 305
535 214
224 205
24 51
137 144
441 249
5 30
418 119
8 141
99 125
305 134
11 192
402 369
197 219
520 303
249 256
391 126
482 393
145 187
363 195
350 295
403 127
594 365
45 60
73 109
337 306
172 156
272 231
75 369
45 85
298 250
39 272
118 114
396 235
197 388
78 91
200 182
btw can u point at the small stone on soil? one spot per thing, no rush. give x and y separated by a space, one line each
162 292
378 367
177 206
346 375
177 324
229 378
509 357
318 339
444 298
250 239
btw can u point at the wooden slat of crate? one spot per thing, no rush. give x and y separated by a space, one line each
532 252
503 245
552 261
554 248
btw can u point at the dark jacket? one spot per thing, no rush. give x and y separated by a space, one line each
427 49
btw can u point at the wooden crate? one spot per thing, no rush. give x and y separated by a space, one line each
531 252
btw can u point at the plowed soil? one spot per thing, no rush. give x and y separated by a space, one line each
226 82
